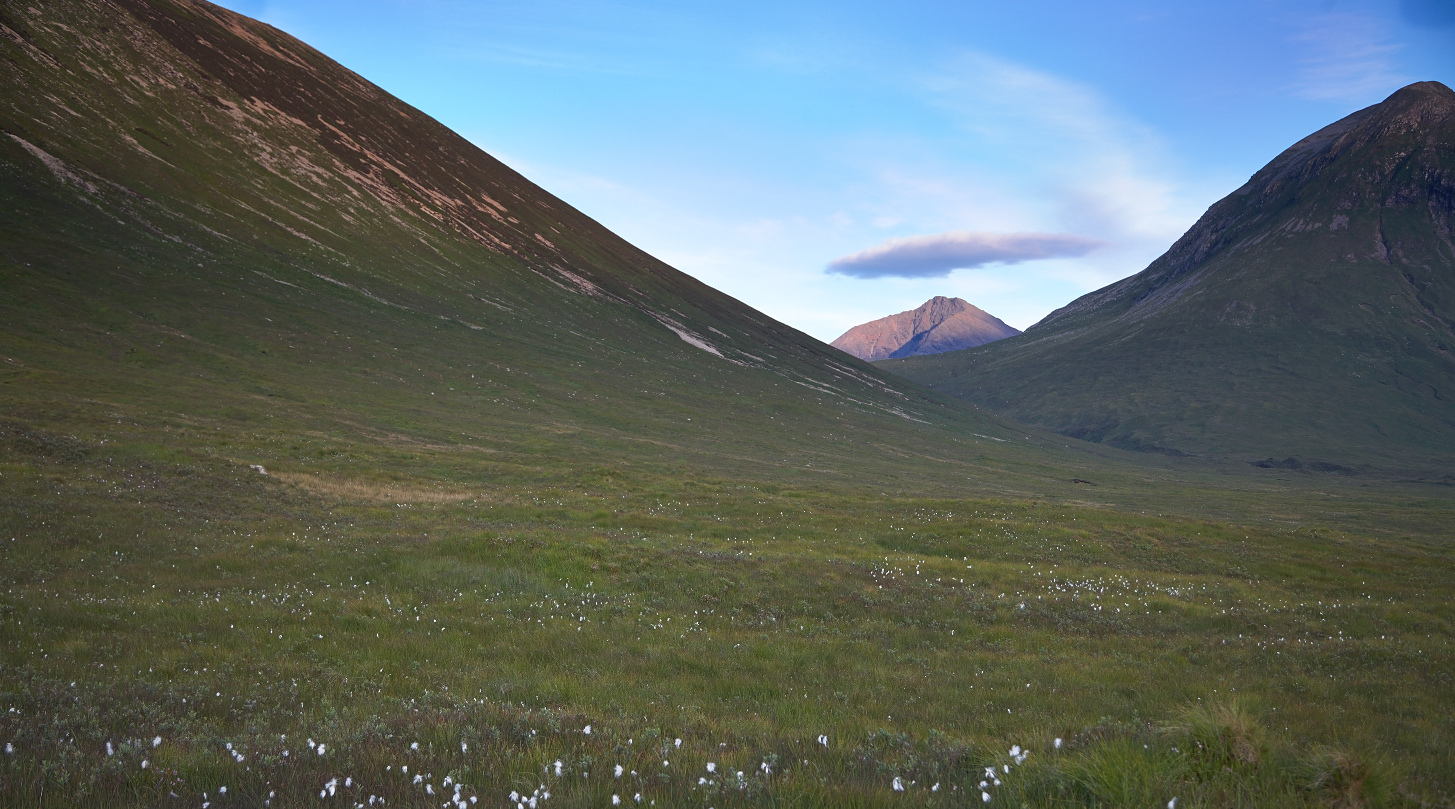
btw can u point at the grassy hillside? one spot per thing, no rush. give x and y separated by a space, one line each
1308 315
243 227
516 463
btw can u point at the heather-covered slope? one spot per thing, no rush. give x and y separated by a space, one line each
1308 315
941 324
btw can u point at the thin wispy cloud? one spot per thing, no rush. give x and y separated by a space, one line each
1105 172
1073 160
939 254
1347 57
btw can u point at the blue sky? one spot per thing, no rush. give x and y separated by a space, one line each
788 153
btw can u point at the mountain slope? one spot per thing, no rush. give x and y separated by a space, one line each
209 225
1308 315
941 324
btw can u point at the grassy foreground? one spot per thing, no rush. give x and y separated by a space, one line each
173 622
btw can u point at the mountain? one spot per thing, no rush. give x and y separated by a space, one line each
941 324
1306 320
209 225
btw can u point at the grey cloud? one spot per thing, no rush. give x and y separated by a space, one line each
936 255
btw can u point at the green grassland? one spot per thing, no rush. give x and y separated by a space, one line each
153 588
552 510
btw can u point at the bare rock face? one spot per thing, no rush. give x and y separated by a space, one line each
941 324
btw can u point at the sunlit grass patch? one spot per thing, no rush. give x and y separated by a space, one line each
374 492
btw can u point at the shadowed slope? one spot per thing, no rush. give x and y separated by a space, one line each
1308 314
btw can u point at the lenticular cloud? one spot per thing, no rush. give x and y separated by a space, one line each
934 256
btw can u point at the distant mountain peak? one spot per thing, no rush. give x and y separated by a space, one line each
1420 92
941 324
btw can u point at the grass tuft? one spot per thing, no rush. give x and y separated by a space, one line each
1345 781
1222 735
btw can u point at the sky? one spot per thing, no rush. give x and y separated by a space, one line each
830 163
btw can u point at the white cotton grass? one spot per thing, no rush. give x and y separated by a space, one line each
1016 755
531 801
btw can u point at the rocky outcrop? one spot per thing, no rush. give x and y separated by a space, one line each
941 324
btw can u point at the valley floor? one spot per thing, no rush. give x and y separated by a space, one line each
175 623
